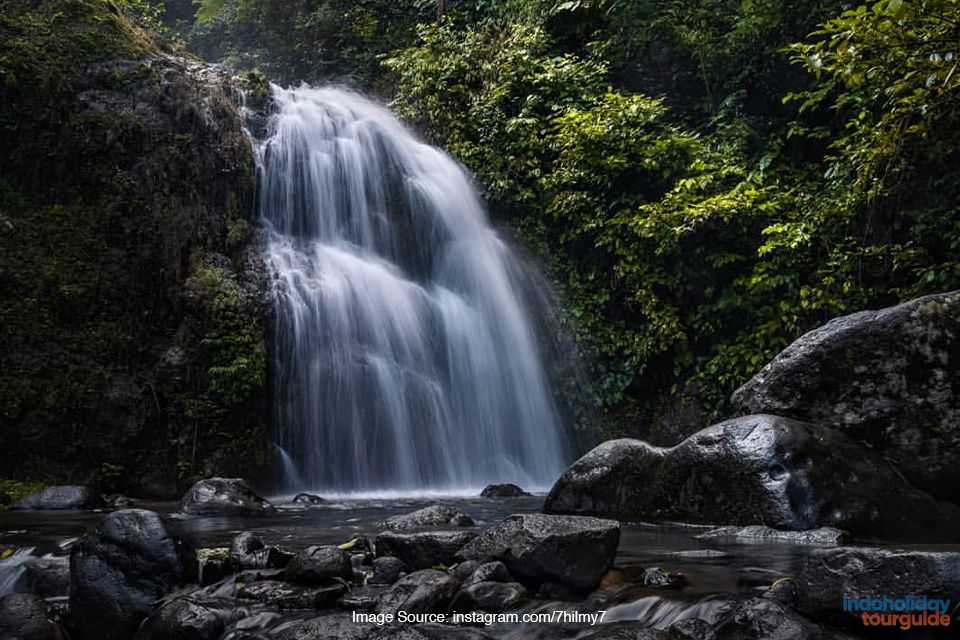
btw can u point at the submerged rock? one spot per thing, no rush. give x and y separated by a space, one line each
754 469
432 516
318 565
422 591
860 572
888 377
570 550
759 533
505 490
308 499
24 616
117 572
223 496
424 549
62 498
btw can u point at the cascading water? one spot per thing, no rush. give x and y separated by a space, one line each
406 358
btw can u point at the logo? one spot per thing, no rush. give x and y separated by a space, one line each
905 612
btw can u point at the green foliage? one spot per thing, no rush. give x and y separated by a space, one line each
12 491
697 252
234 344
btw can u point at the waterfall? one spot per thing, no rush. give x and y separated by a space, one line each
406 354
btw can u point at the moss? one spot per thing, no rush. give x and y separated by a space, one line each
121 174
12 491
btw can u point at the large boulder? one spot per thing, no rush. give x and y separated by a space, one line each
433 516
569 550
223 497
117 572
423 549
829 575
888 377
754 469
62 498
23 616
424 591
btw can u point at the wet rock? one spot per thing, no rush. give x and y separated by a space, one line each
424 549
754 469
117 571
120 501
691 629
462 570
494 571
492 597
555 591
422 591
759 533
47 576
387 570
322 564
182 619
24 616
214 564
570 550
62 498
447 632
888 377
656 577
763 618
432 516
783 590
249 552
223 496
625 630
286 596
861 572
365 598
505 490
308 499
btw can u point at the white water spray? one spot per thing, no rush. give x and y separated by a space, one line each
406 357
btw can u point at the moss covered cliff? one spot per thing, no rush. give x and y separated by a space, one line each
132 298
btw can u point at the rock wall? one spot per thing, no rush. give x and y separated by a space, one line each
133 302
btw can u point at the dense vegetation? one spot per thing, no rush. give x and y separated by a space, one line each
131 357
705 179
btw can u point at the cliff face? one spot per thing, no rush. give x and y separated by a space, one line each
133 304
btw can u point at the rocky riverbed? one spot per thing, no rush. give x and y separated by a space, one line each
324 568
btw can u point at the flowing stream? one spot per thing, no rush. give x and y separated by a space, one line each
407 352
